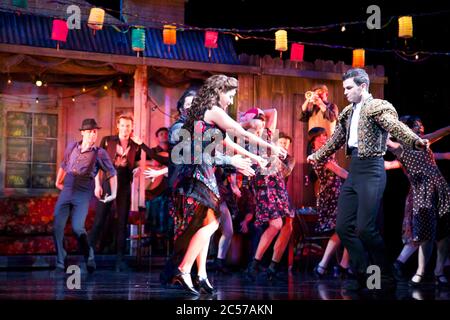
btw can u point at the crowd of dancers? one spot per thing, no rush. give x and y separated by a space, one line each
222 173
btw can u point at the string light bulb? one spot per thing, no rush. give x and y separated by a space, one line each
343 29
9 81
73 99
236 38
83 89
105 87
38 83
417 57
37 100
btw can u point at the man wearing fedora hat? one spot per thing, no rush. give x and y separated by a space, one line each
76 180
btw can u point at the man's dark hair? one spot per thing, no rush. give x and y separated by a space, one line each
359 76
409 120
161 129
180 103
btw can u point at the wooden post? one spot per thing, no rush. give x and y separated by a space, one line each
141 124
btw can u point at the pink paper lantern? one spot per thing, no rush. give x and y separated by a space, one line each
211 39
297 51
59 31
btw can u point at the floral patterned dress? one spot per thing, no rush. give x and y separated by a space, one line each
271 196
329 189
427 210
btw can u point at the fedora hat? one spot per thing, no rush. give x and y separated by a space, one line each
89 124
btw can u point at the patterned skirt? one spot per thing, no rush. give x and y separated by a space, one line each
272 200
196 202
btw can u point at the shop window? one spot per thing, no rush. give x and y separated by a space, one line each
31 143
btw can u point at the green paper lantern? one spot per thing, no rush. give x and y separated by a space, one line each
20 3
138 40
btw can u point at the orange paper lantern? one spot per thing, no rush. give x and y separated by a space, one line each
405 27
170 35
358 58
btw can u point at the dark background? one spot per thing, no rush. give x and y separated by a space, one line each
419 88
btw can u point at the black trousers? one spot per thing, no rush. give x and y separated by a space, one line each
358 206
122 204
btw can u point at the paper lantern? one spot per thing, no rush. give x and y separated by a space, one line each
281 41
297 51
170 35
358 58
138 40
405 27
211 38
59 31
20 3
96 19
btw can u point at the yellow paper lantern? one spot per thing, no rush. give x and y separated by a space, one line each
358 58
405 27
170 35
96 18
281 41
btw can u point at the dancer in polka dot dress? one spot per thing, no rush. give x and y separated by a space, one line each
427 209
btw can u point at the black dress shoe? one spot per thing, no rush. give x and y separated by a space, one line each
182 278
441 281
340 272
220 267
355 282
251 273
121 266
398 272
90 261
202 284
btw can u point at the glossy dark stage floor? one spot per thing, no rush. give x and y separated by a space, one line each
106 284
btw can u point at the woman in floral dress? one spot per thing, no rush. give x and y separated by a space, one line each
273 209
330 176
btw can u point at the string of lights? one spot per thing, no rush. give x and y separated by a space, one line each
321 28
246 34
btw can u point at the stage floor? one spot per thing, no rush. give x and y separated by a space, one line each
106 284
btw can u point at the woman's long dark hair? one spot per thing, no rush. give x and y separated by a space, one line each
207 97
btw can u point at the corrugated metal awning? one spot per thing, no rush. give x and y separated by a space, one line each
33 30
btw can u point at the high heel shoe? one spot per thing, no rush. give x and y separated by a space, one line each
416 284
184 279
441 281
203 284
319 271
